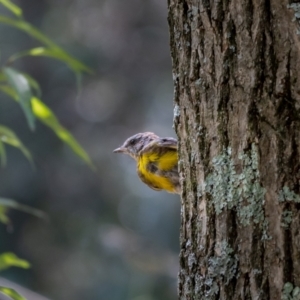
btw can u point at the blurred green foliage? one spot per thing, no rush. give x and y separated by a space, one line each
24 89
8 260
109 235
11 293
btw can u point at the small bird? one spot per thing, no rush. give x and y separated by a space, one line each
157 160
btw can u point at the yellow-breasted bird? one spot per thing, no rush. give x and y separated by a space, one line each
157 160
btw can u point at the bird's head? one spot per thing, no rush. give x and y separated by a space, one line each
134 144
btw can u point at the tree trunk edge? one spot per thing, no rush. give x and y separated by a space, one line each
236 72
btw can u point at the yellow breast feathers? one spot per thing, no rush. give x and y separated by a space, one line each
157 167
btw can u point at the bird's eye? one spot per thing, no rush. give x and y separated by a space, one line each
131 142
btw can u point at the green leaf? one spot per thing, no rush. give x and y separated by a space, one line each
7 136
55 53
28 28
55 49
21 85
3 215
8 90
2 76
33 84
9 203
45 115
9 259
11 293
12 7
2 154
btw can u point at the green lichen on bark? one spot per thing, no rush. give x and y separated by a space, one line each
296 7
286 219
222 267
242 191
287 195
289 292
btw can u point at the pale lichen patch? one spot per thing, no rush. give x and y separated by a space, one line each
287 195
241 191
287 217
289 292
296 7
221 267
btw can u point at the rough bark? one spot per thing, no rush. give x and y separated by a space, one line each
236 70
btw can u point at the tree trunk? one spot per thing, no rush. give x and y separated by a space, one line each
236 69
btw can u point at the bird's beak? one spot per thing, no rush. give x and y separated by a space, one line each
120 150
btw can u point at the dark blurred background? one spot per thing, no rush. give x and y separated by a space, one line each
109 236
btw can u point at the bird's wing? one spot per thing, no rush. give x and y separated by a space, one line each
162 143
168 142
160 155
